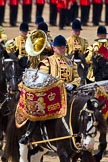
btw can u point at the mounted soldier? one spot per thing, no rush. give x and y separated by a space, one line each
38 44
40 98
76 44
59 66
77 48
17 44
97 59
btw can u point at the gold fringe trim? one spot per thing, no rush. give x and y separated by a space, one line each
101 92
38 89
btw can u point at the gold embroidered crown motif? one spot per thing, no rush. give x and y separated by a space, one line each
29 96
51 96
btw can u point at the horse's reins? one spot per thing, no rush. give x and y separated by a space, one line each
94 122
58 138
77 146
7 98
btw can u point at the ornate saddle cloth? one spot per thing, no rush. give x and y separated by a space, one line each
41 103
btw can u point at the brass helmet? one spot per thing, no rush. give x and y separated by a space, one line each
36 42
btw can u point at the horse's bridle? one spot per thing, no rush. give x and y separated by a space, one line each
78 145
7 94
91 116
11 78
5 68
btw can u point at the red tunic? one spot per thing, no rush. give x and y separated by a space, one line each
73 1
2 2
97 1
106 1
63 4
14 2
40 1
85 2
54 1
27 2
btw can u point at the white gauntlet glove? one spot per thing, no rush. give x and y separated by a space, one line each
69 86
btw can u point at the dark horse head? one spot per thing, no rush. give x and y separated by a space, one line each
87 122
11 68
8 70
11 71
8 85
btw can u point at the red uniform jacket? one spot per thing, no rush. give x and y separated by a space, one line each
27 2
106 1
85 2
63 4
54 1
14 2
2 2
40 1
73 1
97 1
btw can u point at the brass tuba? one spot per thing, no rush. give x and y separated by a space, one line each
36 43
10 46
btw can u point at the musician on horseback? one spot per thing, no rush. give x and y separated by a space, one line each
97 52
60 67
21 39
97 59
76 44
77 47
17 44
33 58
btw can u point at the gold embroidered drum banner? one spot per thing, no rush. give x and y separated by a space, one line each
41 103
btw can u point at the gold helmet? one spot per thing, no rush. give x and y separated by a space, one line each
36 43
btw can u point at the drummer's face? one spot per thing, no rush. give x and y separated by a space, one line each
60 50
76 32
24 33
101 36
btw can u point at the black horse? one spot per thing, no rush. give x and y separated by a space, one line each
100 71
11 70
8 85
71 135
